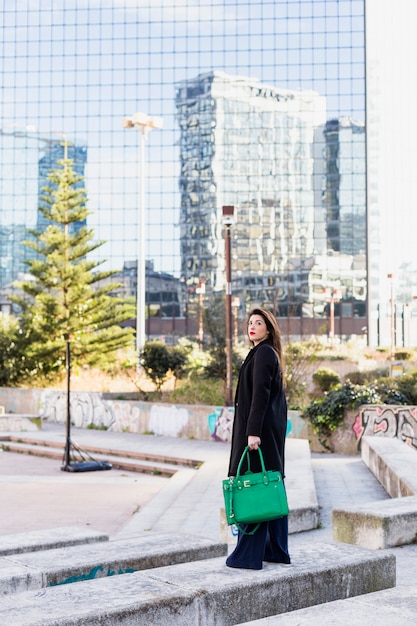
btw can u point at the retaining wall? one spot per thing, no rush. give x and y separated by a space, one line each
376 420
97 410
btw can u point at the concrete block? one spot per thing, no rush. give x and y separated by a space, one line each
299 520
79 563
206 592
393 463
16 578
47 539
388 608
379 524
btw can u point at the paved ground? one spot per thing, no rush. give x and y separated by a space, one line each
36 494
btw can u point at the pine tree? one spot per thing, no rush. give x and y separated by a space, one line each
65 299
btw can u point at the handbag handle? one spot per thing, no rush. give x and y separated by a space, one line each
246 453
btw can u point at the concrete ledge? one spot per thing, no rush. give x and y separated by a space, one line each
384 523
379 524
68 565
48 539
393 606
206 592
300 519
393 463
16 422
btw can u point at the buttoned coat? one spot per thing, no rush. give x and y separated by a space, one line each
260 410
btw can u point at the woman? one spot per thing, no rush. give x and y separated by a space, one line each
261 420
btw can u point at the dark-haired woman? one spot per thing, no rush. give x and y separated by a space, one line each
261 420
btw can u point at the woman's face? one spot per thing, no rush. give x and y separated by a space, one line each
257 329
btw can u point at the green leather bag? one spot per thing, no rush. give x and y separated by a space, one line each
254 498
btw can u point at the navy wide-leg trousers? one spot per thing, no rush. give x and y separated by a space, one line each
268 543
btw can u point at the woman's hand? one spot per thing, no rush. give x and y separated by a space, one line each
254 442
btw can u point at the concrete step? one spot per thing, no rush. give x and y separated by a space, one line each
35 570
206 592
393 463
48 539
125 453
391 607
384 523
379 524
117 460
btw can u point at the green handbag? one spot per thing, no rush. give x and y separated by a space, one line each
254 498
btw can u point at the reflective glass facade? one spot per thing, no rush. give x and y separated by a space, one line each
263 108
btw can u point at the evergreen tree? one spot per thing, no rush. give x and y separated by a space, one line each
65 300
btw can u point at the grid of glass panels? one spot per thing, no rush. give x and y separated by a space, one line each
263 108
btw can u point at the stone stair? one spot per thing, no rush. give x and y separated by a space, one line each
127 460
203 592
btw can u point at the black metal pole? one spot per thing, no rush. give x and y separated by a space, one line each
68 367
228 220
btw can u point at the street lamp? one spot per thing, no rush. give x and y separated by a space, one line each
332 295
392 316
144 124
228 220
235 305
201 290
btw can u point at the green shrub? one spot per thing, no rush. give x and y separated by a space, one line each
367 376
402 355
389 392
325 378
300 360
407 385
200 390
326 414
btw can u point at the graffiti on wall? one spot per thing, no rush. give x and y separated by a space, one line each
220 423
167 420
387 421
90 409
86 408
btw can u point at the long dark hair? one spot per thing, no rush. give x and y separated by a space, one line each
274 333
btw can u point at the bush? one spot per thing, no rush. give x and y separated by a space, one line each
389 392
158 360
367 376
200 391
407 385
402 355
300 359
325 378
326 414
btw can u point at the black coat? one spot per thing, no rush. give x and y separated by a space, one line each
260 410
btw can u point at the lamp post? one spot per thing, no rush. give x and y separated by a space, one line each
332 295
392 315
201 290
144 124
228 212
235 305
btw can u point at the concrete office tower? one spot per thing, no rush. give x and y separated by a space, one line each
250 145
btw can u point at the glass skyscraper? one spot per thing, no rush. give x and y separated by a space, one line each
264 107
249 145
